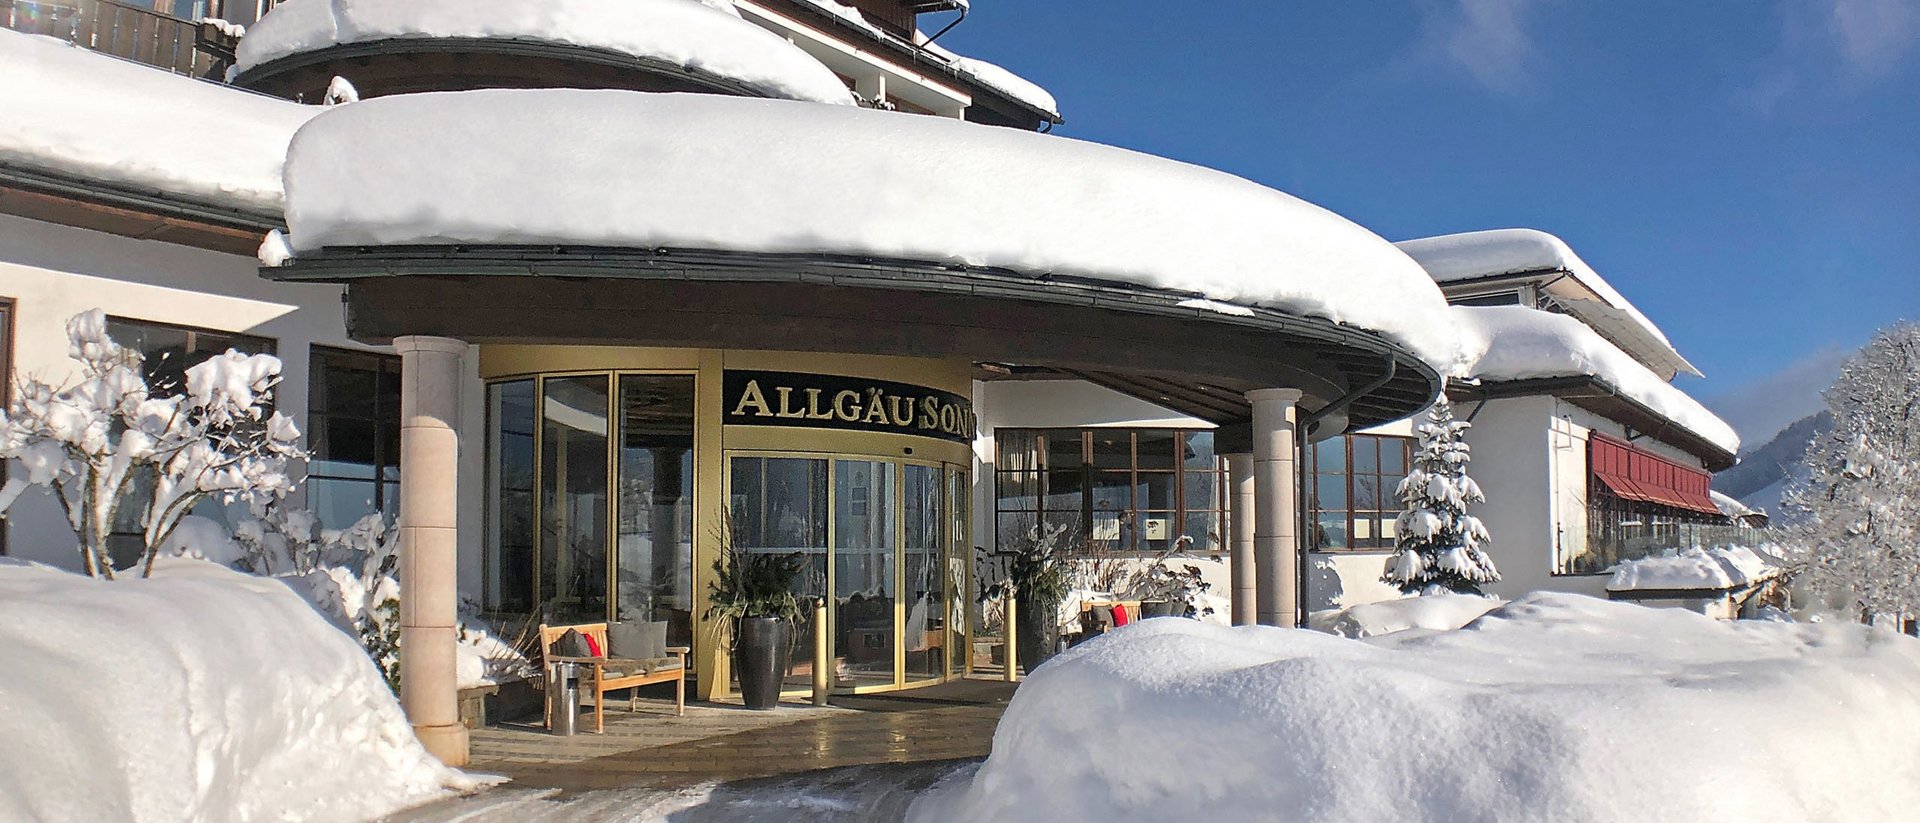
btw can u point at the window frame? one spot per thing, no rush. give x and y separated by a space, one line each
1038 473
9 320
384 490
1386 500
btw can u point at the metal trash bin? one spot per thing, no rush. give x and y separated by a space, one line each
563 698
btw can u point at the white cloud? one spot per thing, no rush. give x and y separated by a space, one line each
1487 38
1875 35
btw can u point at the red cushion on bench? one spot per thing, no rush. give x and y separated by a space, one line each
1120 617
593 646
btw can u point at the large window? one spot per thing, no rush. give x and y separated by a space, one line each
1117 490
1351 490
353 432
169 350
590 499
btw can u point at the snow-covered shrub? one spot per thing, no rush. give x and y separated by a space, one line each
86 441
1439 543
1854 521
361 592
1159 580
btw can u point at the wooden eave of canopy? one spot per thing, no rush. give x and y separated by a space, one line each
1135 340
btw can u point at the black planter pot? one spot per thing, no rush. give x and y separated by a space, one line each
761 653
1037 635
1162 608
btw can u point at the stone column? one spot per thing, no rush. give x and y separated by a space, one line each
1240 503
1276 501
429 583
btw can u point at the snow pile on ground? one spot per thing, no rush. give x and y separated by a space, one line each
199 694
1553 707
76 113
664 170
1503 343
699 37
1437 612
1479 254
1720 567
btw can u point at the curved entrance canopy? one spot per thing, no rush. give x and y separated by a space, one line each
693 220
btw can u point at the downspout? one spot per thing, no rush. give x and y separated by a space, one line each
949 27
1300 432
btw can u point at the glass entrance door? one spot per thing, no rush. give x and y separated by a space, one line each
880 535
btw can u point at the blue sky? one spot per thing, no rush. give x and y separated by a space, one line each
1748 173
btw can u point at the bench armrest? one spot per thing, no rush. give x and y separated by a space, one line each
679 650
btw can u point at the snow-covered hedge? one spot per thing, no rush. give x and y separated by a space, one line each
1553 707
198 694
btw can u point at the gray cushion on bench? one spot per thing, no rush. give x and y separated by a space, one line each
571 644
637 640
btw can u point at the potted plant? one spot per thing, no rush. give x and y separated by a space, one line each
1035 572
755 591
1166 591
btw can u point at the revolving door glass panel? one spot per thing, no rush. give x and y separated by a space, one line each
877 534
779 506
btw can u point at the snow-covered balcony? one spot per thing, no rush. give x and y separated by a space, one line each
426 45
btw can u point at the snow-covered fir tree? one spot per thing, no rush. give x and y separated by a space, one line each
1439 549
1854 522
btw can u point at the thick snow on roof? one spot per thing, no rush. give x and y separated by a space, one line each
698 36
751 175
1721 567
1013 85
69 111
1477 254
1552 707
1503 343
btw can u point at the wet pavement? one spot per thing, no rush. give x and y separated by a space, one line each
862 758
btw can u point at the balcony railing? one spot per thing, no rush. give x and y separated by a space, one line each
127 31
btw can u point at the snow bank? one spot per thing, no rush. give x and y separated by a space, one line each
1720 567
78 113
200 694
737 174
696 36
1437 612
1554 707
1477 254
1519 343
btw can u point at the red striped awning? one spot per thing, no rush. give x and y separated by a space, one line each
1635 474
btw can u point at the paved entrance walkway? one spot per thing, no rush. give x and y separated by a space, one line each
725 743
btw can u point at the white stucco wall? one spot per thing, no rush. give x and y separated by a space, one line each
54 272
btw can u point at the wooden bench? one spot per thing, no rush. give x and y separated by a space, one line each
606 674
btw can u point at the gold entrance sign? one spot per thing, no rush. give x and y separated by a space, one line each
826 401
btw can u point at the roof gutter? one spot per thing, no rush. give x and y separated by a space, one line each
151 201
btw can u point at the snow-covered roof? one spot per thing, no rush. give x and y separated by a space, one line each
1474 255
704 37
999 77
981 71
710 172
76 113
1731 507
1502 343
1723 567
